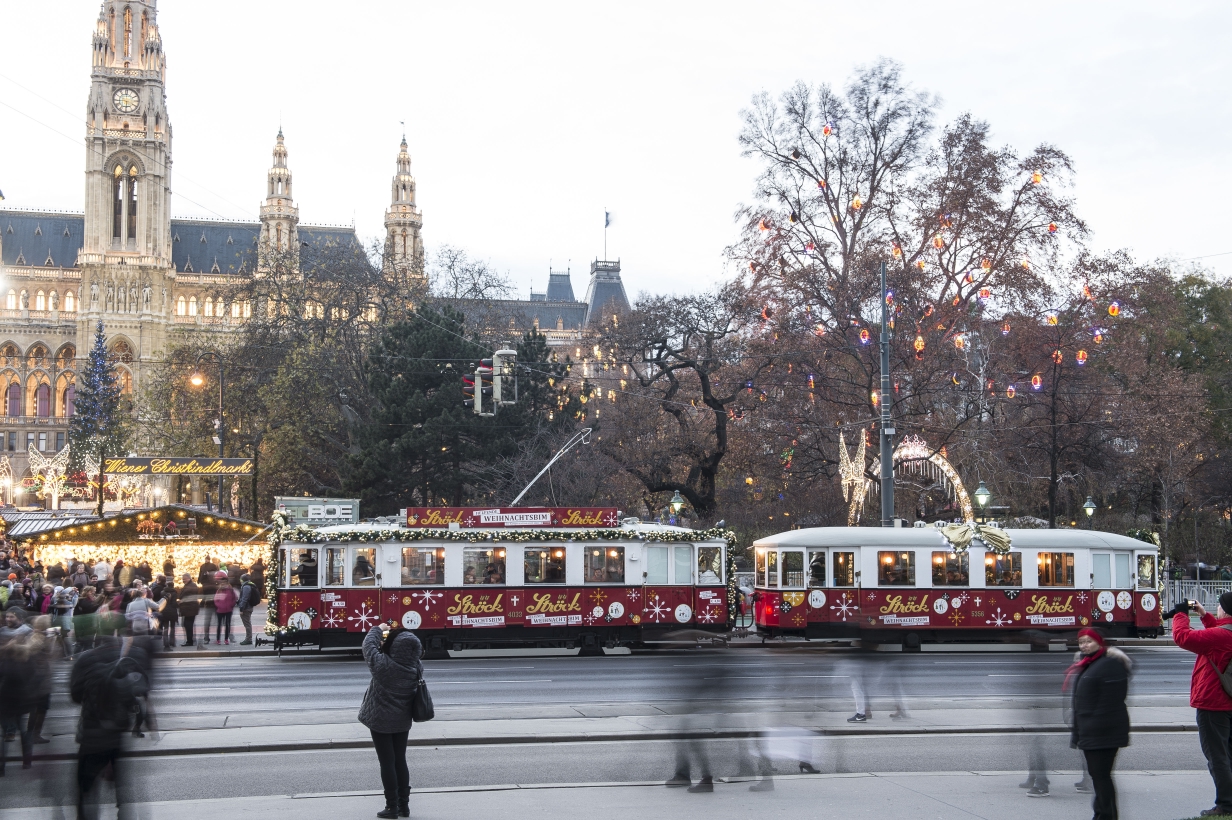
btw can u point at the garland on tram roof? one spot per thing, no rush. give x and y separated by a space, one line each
281 533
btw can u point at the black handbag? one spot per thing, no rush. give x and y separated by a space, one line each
421 703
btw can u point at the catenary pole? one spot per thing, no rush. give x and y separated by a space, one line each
887 428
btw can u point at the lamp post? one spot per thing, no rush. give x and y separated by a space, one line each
196 380
981 496
887 423
1089 509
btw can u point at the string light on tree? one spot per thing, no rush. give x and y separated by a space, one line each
1037 382
1081 357
1114 309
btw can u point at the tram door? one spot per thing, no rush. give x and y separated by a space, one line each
1110 584
669 577
1146 578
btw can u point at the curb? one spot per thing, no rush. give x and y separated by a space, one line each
604 737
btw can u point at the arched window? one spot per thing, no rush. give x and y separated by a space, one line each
404 253
40 301
37 356
126 381
132 204
70 400
128 32
247 309
192 306
122 351
209 306
10 301
65 359
235 310
14 397
42 401
278 241
181 306
117 203
70 302
221 310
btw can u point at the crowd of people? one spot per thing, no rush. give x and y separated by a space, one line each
83 600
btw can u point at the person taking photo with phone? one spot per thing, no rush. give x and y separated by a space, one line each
1213 646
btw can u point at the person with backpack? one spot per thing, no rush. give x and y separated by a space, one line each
224 603
189 605
392 656
109 682
249 597
209 585
168 613
1207 694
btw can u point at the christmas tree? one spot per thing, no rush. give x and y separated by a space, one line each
99 425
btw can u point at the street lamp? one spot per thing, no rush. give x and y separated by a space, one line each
196 380
981 496
1089 508
676 503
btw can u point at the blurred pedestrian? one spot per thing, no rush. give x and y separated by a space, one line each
1101 720
42 599
168 613
702 685
224 603
140 612
209 585
37 646
189 606
85 620
102 572
17 694
257 571
1213 646
392 656
144 572
14 625
249 597
80 578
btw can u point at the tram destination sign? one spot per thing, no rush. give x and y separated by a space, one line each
509 517
176 465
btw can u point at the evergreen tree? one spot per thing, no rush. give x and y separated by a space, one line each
99 426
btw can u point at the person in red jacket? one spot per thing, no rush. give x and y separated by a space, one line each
1213 646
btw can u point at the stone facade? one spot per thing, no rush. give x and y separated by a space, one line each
154 281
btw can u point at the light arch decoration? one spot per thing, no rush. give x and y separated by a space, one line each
913 456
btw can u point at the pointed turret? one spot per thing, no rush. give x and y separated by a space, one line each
279 214
403 222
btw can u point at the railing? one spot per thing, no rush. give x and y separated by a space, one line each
51 421
1204 592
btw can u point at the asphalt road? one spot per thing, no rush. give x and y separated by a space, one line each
231 692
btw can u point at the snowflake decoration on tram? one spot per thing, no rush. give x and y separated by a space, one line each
393 599
332 619
310 612
363 616
846 607
427 597
998 618
707 616
658 611
633 595
1082 597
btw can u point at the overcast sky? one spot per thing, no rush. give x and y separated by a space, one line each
526 120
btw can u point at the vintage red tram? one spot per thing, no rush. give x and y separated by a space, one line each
482 578
913 584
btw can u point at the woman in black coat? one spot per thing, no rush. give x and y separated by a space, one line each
1100 682
392 656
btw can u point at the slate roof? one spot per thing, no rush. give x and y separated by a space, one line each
209 246
605 288
560 289
34 236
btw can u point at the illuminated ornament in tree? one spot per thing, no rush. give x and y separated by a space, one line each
820 330
1036 382
752 265
1086 292
1052 229
919 346
810 381
821 183
940 325
766 312
1058 356
889 297
1011 391
875 397
865 336
763 226
919 263
928 311
1114 309
938 242
969 278
954 378
1051 317
896 252
986 265
1097 335
1005 328
827 129
960 342
1026 263
990 385
808 248
1081 356
985 292
1037 178
857 204
957 300
793 218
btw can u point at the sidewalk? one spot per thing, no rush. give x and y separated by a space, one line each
1142 795
637 722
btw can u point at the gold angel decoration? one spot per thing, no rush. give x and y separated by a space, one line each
851 474
53 471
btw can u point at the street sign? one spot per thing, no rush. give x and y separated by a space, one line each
317 512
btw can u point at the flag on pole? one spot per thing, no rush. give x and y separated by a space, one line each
607 219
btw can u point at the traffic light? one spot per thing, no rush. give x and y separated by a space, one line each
504 378
483 388
468 390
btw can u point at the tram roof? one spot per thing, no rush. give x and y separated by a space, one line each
918 537
640 527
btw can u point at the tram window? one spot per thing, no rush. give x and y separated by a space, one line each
1056 569
656 565
1003 570
896 569
363 571
709 565
605 565
1146 572
1101 570
1121 560
682 561
817 569
772 568
422 567
335 566
303 567
951 569
761 568
844 569
793 569
544 565
483 566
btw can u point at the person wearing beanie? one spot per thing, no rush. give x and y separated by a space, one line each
1213 646
1099 679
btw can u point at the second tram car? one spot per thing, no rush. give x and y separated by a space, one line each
911 584
478 578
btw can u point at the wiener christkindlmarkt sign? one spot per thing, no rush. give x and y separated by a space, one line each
507 517
178 466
